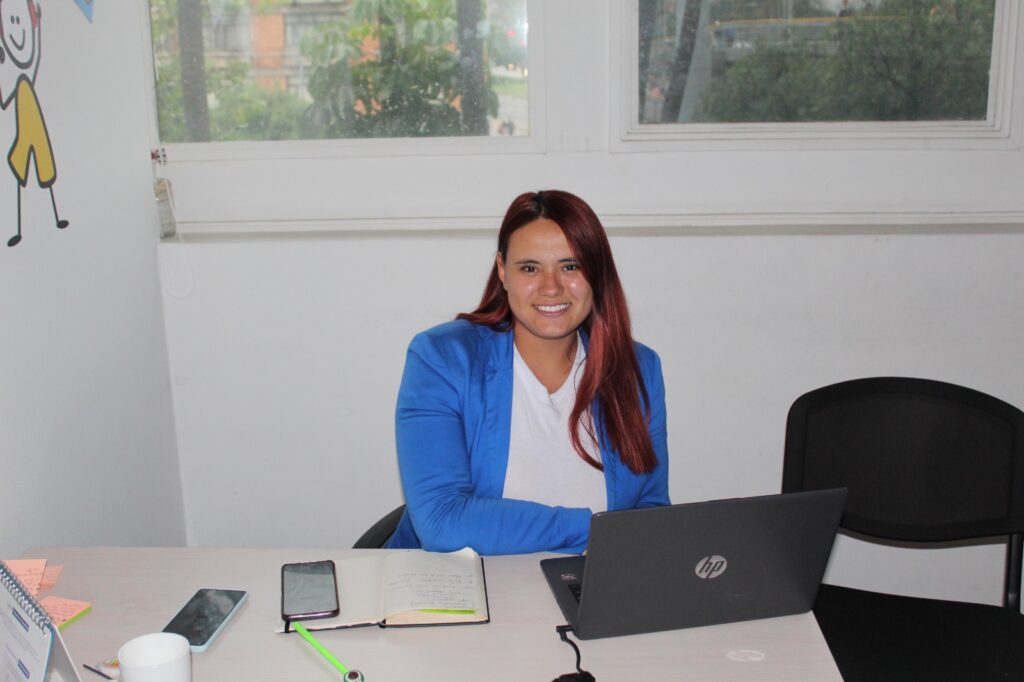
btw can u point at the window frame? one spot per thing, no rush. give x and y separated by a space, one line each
730 179
270 150
999 130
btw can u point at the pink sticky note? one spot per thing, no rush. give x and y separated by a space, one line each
50 575
61 610
28 571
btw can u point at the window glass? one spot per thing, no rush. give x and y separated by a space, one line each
315 69
814 60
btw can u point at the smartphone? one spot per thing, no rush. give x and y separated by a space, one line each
309 590
203 616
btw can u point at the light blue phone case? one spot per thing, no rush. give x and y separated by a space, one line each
198 610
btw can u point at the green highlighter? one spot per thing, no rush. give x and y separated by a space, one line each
347 675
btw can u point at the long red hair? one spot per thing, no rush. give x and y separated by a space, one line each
611 381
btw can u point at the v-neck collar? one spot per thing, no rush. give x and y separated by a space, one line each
536 387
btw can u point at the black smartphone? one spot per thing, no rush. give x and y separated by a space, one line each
309 590
204 615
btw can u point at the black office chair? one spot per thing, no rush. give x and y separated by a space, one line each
378 533
924 462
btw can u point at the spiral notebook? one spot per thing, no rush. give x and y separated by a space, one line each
31 647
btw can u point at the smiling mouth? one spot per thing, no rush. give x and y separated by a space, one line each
552 308
15 42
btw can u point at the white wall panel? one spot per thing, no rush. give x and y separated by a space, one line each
286 358
88 451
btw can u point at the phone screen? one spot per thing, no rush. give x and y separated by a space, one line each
308 590
204 615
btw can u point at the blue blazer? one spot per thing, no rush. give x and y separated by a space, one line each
452 425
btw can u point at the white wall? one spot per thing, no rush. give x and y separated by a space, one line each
286 356
88 450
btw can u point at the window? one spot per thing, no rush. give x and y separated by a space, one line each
814 60
584 132
322 69
893 70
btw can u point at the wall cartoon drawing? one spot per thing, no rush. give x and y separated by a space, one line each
20 50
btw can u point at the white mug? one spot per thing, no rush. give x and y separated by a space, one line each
157 657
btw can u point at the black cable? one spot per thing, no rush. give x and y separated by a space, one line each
563 631
580 675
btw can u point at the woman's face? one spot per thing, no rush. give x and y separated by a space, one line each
547 293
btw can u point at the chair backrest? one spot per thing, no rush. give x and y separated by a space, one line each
377 534
923 460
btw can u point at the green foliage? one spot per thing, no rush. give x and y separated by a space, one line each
774 84
389 68
243 111
727 10
908 60
514 87
239 110
163 27
506 40
169 101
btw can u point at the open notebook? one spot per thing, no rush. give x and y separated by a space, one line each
408 587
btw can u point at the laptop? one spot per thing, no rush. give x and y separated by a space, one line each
689 565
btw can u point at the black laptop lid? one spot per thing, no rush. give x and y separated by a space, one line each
705 563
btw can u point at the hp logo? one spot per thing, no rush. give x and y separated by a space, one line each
711 567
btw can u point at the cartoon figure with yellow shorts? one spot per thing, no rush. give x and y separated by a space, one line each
19 63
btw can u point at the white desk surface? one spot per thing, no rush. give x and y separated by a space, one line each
136 590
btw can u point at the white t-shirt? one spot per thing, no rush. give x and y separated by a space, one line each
543 466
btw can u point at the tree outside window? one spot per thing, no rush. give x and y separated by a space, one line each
314 69
814 60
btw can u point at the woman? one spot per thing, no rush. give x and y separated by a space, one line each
517 421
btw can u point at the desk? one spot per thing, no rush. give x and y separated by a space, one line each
136 590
